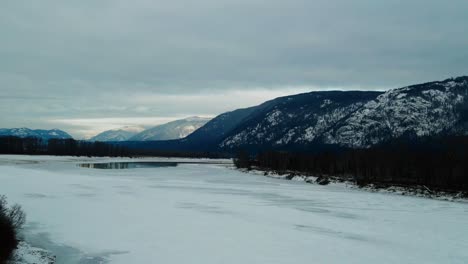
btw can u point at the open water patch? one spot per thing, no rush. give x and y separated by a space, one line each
128 165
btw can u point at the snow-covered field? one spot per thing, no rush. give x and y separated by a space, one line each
212 214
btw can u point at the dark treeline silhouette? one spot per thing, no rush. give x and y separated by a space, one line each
137 152
71 147
440 164
16 145
243 160
68 147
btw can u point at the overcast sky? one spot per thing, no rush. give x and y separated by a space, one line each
90 65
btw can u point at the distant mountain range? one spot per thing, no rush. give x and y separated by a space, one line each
356 119
306 122
173 130
37 133
121 134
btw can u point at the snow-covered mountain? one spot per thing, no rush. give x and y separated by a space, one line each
121 134
38 133
357 119
172 130
436 108
296 119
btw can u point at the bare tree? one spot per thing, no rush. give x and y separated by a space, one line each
17 216
11 220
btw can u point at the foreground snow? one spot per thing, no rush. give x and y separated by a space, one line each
211 214
26 254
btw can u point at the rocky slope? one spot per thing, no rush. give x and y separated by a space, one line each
297 119
421 110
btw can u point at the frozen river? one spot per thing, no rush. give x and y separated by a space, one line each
211 214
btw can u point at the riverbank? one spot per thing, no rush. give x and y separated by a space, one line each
27 254
417 191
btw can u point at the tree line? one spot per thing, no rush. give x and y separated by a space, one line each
435 163
71 147
62 147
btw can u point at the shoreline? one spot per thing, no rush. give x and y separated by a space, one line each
28 254
412 191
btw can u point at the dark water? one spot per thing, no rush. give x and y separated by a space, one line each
127 165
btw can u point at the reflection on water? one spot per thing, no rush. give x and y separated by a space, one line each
127 165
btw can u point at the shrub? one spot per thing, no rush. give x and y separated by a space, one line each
11 220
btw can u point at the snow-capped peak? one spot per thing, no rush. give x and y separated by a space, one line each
172 130
38 133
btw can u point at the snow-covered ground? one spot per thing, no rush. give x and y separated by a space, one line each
26 254
211 214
